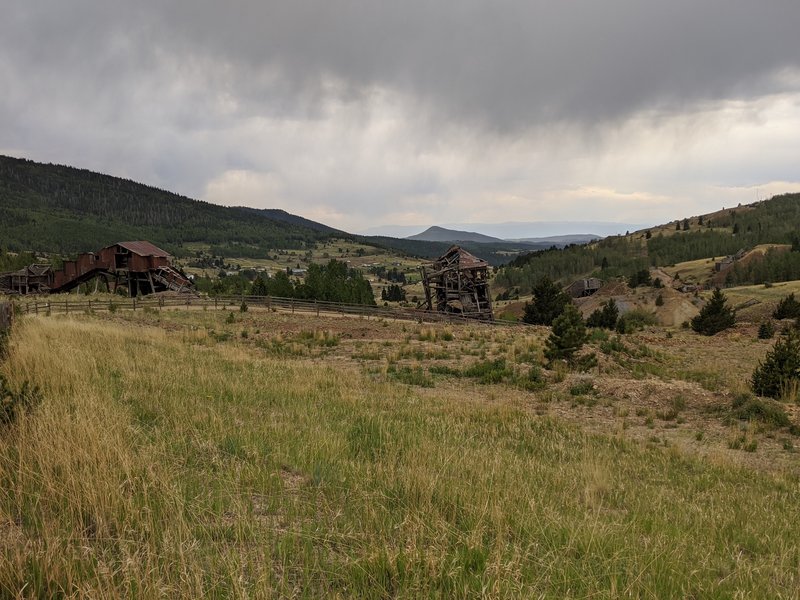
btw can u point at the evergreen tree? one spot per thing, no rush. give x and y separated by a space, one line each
788 308
715 316
605 317
641 277
280 285
259 287
548 303
766 330
393 293
567 337
780 370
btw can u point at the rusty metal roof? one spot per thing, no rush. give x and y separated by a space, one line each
465 259
143 248
36 270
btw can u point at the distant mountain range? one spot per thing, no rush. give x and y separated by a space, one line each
442 234
519 230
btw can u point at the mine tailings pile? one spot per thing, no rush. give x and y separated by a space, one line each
140 267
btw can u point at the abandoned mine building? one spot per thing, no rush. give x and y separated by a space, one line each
584 287
139 267
457 282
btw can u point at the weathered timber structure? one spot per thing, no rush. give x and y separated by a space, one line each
33 279
584 287
139 267
458 282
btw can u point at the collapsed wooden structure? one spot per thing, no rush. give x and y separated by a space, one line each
458 282
139 267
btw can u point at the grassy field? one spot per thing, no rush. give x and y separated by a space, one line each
258 454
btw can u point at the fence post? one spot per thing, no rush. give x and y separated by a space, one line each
292 305
317 306
66 306
134 304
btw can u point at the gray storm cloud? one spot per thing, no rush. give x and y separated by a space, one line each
189 93
507 63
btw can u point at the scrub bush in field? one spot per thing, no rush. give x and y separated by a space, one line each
779 374
715 316
605 317
567 337
788 308
766 330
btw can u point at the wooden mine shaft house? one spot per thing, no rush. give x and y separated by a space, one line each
140 267
458 282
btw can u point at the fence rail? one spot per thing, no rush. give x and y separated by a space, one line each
268 302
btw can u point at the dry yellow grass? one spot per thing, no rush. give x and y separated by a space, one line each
165 463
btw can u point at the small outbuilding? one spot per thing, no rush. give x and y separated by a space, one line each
584 287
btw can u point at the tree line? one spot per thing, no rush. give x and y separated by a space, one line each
333 282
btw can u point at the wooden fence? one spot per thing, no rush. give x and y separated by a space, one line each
6 316
55 304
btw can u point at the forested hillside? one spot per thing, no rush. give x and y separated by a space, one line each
774 221
53 208
64 210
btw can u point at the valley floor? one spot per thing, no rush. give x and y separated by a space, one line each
261 454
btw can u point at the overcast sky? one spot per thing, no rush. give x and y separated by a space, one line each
365 113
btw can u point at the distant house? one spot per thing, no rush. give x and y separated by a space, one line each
728 261
297 272
33 279
584 287
723 264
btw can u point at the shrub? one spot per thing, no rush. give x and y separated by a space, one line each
582 387
779 373
606 317
230 318
410 376
748 408
489 371
788 308
715 316
13 403
641 277
547 304
533 380
243 307
613 345
766 330
635 319
567 337
660 300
